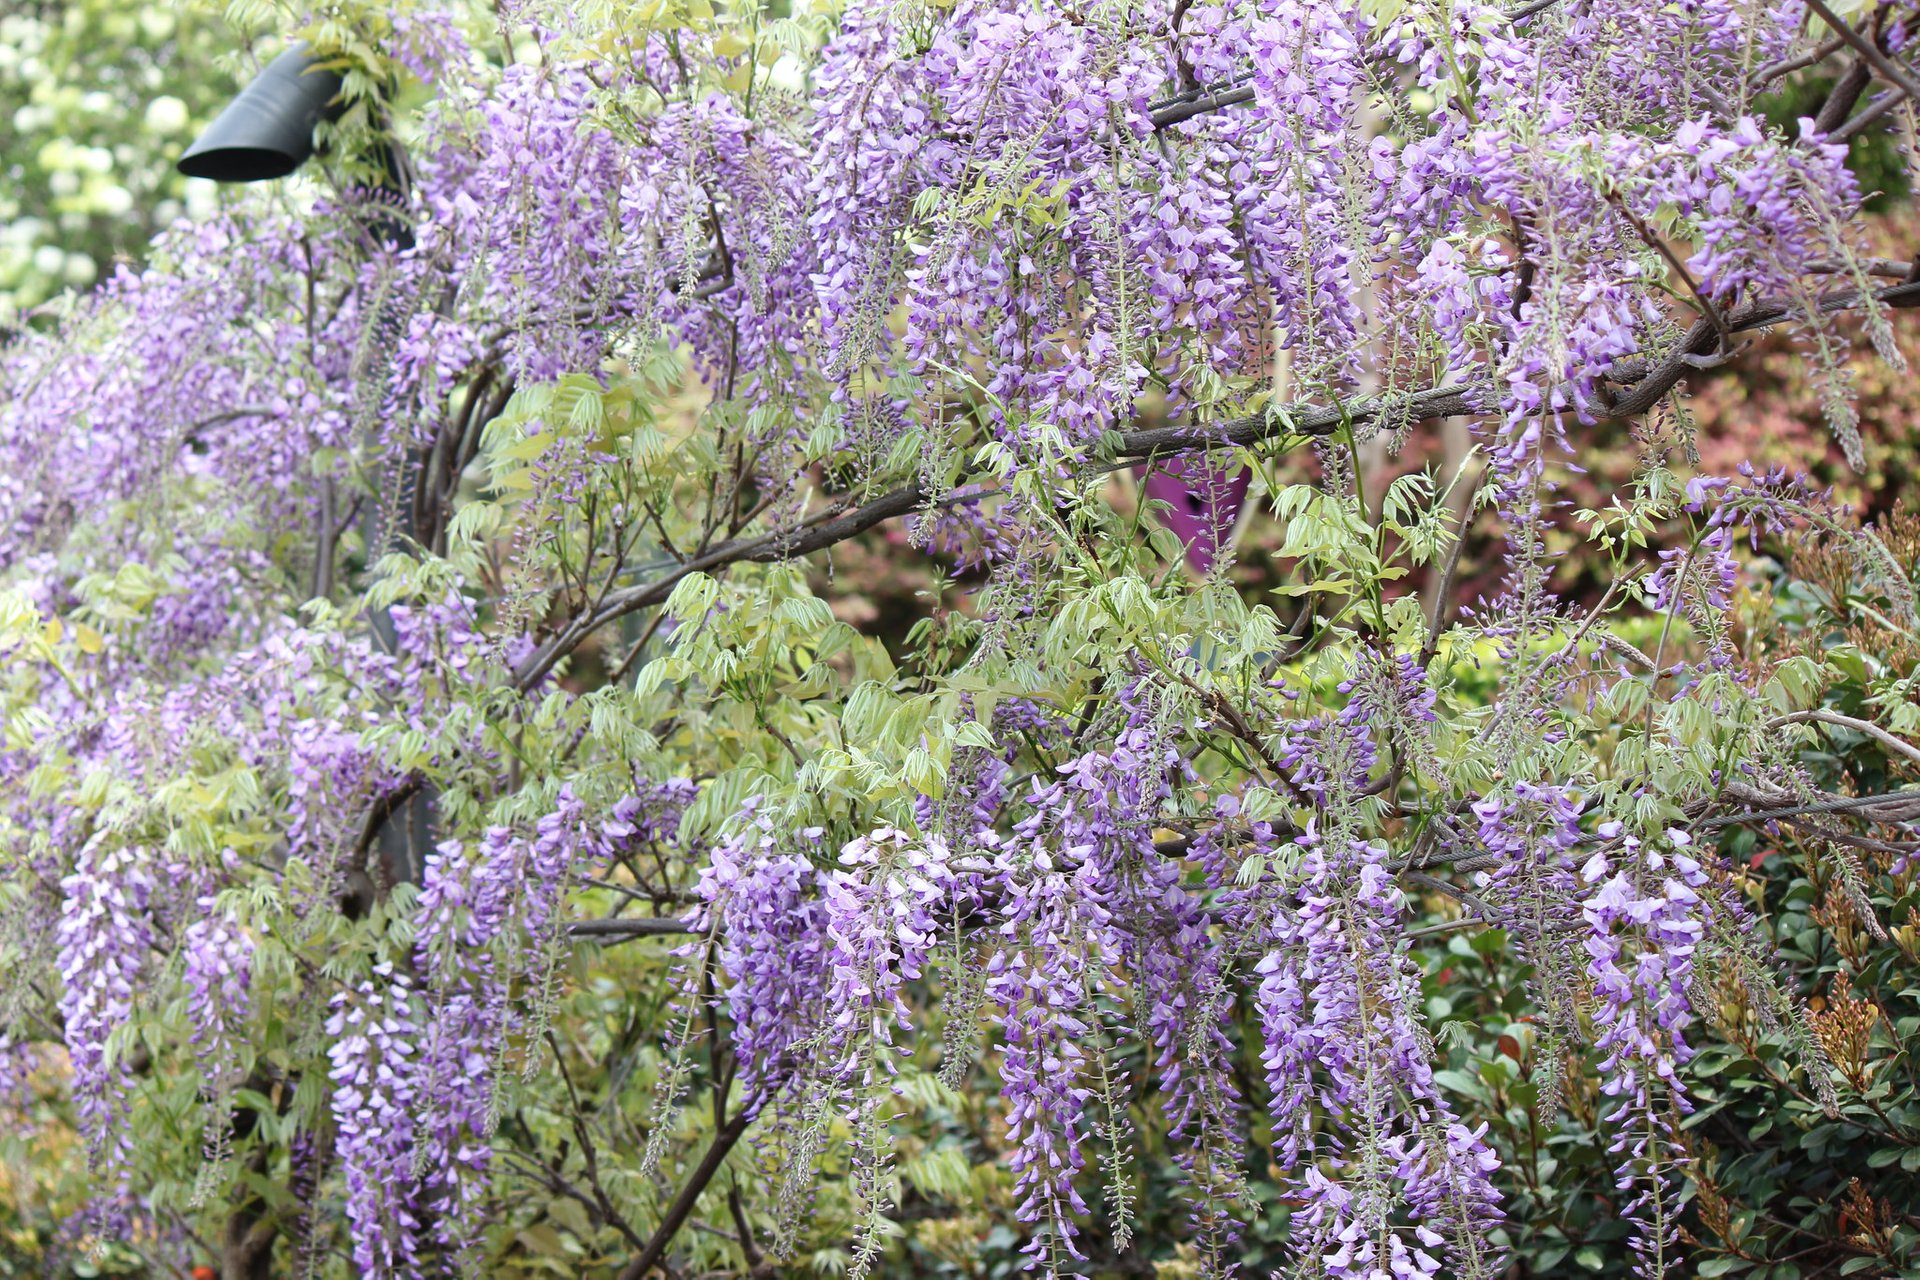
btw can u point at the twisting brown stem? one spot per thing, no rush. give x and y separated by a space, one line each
1646 382
690 1193
1889 71
1845 95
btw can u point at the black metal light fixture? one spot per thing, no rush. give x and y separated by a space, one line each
267 132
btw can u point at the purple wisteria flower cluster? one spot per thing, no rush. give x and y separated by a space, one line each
775 953
219 973
375 1028
104 937
1343 1038
1645 928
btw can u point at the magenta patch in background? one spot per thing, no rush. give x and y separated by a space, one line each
1203 504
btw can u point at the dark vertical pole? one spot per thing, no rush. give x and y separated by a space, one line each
266 133
407 835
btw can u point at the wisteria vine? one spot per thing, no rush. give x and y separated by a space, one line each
417 690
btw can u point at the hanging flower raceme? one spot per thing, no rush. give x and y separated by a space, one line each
455 1084
1397 1183
219 972
763 898
1311 238
375 1025
490 923
1646 921
455 1077
104 936
1531 837
18 1062
1042 982
881 924
1182 972
1070 883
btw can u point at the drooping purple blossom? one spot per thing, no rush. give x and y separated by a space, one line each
880 925
375 1028
104 938
1398 1183
774 953
1645 915
218 975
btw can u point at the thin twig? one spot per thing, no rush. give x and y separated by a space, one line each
1866 49
588 1153
1443 590
1176 112
1478 905
630 927
1872 730
1875 109
1659 245
676 1214
1819 53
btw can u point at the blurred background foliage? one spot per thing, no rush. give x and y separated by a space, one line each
97 98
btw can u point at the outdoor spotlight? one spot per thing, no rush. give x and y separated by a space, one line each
266 132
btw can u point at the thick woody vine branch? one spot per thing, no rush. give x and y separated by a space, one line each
1641 383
